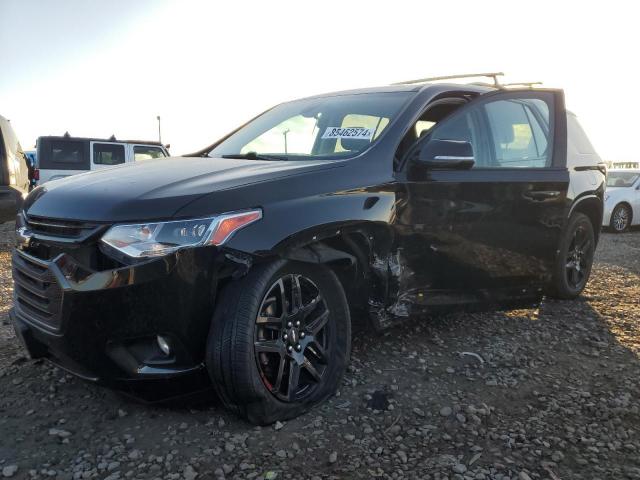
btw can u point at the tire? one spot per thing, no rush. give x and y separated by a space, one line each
575 258
620 218
249 357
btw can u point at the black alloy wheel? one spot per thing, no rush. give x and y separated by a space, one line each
574 259
291 338
620 218
579 258
280 340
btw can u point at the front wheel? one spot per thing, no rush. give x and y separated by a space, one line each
575 258
620 218
280 341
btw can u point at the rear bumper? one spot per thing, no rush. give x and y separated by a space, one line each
104 325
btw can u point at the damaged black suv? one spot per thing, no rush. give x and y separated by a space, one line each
242 265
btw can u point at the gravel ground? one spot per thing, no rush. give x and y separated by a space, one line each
555 397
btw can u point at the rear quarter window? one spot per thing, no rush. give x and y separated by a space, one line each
63 154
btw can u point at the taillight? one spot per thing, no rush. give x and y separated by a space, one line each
36 174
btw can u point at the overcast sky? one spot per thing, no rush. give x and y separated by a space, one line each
96 68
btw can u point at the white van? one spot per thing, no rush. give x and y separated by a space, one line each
60 157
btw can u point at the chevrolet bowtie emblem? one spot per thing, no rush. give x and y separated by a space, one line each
23 237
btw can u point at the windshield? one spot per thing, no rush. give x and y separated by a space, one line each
622 179
318 128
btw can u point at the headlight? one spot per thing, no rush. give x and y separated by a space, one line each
160 238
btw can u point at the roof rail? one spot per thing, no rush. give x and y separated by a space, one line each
493 75
521 84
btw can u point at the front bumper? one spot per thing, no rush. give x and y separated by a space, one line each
103 325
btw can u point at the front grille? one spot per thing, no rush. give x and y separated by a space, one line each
62 229
37 295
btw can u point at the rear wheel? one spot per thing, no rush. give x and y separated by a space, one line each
620 218
575 258
280 341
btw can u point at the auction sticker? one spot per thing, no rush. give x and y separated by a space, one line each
349 132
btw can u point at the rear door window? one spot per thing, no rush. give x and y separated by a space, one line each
519 133
108 154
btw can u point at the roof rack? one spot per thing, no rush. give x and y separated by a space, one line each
521 84
493 75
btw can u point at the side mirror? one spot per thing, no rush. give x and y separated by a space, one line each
447 155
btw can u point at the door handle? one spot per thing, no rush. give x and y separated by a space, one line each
540 195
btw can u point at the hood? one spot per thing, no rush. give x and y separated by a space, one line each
154 189
619 191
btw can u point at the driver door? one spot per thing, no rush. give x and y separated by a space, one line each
492 229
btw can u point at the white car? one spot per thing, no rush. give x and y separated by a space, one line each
622 200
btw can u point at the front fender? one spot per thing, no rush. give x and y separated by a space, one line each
305 220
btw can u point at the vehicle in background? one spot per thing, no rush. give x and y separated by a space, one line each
32 164
60 157
622 200
14 172
31 156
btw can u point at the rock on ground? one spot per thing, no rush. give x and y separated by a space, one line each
557 396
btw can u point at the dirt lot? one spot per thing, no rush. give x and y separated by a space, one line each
557 397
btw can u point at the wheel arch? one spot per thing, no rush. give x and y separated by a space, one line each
592 207
350 251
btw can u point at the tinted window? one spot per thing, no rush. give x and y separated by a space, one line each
62 154
147 153
464 127
509 133
69 153
460 128
108 154
518 133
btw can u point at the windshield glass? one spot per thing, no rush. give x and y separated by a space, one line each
333 127
622 179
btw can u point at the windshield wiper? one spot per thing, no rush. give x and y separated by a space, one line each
253 156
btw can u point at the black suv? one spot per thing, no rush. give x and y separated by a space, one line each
243 265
